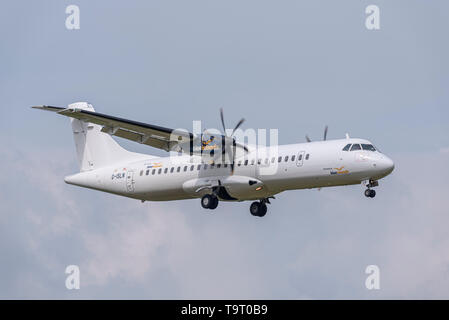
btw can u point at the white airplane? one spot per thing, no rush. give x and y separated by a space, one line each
198 169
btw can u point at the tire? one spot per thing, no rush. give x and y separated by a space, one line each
206 201
254 208
214 203
368 193
262 210
372 193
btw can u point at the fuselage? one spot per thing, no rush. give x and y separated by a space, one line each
261 173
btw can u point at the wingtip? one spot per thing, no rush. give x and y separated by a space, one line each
47 108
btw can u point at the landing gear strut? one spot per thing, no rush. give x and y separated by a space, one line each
209 201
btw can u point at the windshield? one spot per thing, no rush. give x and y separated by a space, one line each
368 147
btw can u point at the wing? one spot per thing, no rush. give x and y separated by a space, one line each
155 136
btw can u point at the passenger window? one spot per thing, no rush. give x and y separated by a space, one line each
199 167
141 172
279 159
246 162
300 157
346 148
259 161
192 167
225 165
252 162
172 169
293 157
153 171
218 165
205 166
355 146
159 171
368 147
240 163
165 170
179 169
286 158
148 171
272 159
307 156
185 168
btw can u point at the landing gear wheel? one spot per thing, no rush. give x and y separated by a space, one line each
369 193
209 201
262 209
258 209
214 203
254 208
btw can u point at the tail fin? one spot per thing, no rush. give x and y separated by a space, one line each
94 148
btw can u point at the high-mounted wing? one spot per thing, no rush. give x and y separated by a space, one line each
158 137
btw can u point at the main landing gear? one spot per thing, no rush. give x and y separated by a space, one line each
370 193
209 201
259 208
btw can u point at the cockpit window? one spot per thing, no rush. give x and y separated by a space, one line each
355 146
368 147
377 149
346 148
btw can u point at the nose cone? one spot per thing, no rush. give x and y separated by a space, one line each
386 165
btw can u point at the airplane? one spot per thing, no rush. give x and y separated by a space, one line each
211 167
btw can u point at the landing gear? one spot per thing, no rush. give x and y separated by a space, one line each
209 201
258 209
370 193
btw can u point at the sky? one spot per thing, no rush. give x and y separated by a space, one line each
295 66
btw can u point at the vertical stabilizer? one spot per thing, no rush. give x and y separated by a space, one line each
95 149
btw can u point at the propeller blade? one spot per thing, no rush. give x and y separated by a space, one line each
308 139
237 126
222 121
325 132
234 145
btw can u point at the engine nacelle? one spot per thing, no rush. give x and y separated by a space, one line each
239 187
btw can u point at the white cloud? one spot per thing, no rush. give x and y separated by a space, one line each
310 245
135 244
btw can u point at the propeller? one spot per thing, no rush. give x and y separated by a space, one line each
324 137
231 136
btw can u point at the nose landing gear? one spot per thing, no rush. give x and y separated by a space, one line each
370 193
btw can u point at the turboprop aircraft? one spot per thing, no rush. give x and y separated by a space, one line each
209 166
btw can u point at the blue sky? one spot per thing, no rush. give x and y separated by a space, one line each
290 65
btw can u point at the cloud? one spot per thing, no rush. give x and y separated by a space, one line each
310 245
135 245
